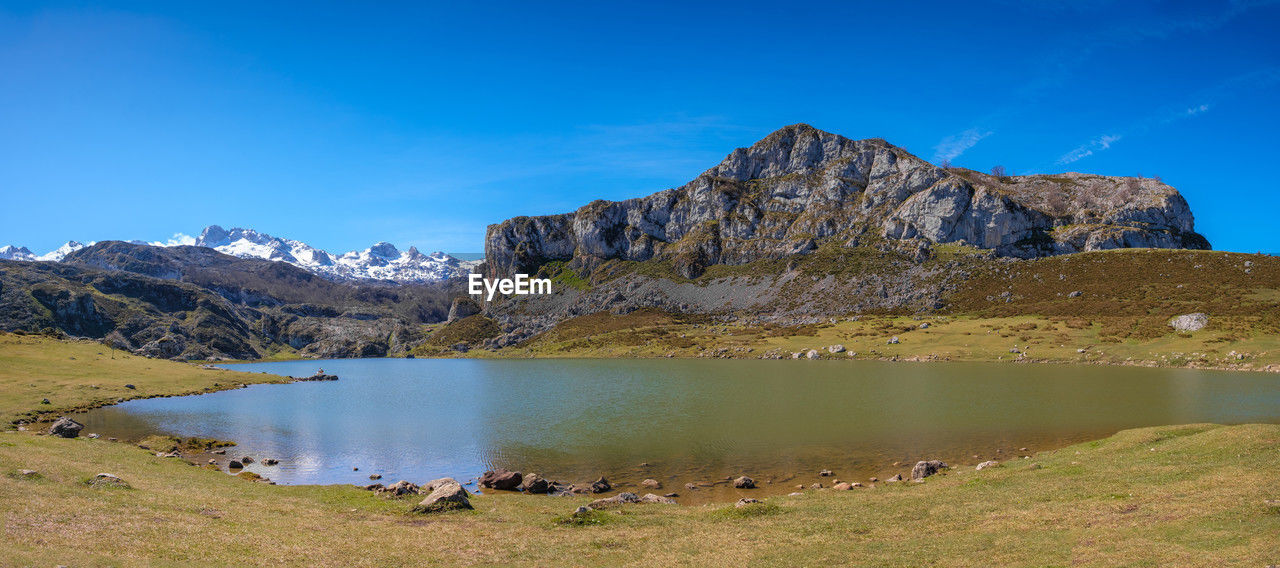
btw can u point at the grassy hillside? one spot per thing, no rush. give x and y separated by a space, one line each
75 375
1103 307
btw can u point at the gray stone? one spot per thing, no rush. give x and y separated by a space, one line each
926 468
987 464
601 485
448 496
619 499
535 484
744 482
1190 322
501 479
651 498
65 428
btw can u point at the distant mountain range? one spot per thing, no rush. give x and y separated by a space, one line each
382 261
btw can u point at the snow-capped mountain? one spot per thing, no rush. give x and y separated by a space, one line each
382 261
10 252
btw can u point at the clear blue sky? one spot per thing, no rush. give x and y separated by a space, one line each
345 124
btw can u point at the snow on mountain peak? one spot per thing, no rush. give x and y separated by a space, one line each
10 252
382 261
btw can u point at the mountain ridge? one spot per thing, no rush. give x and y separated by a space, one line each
382 261
800 186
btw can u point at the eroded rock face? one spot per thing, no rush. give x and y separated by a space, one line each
800 186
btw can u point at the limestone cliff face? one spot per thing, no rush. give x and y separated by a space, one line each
801 187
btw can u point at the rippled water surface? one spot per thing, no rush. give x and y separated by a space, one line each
690 420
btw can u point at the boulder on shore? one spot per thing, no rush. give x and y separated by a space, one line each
448 495
619 499
501 479
987 464
601 485
66 428
535 484
926 468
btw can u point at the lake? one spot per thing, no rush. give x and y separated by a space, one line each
691 421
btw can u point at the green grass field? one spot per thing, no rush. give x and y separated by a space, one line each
1189 495
77 375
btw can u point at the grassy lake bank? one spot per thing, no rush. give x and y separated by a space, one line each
1171 495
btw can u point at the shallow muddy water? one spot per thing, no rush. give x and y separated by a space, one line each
691 421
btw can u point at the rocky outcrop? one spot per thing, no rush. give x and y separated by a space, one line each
800 187
1189 322
462 307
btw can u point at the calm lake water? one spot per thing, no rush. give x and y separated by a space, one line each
690 420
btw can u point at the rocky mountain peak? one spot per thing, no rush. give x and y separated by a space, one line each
800 187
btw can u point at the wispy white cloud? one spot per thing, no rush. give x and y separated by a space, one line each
953 146
1087 149
1196 110
176 240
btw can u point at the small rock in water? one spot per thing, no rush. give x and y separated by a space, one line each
270 461
234 464
651 484
816 486
501 479
375 476
744 482
691 486
219 452
873 479
896 478
246 460
842 486
130 386
826 473
671 495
